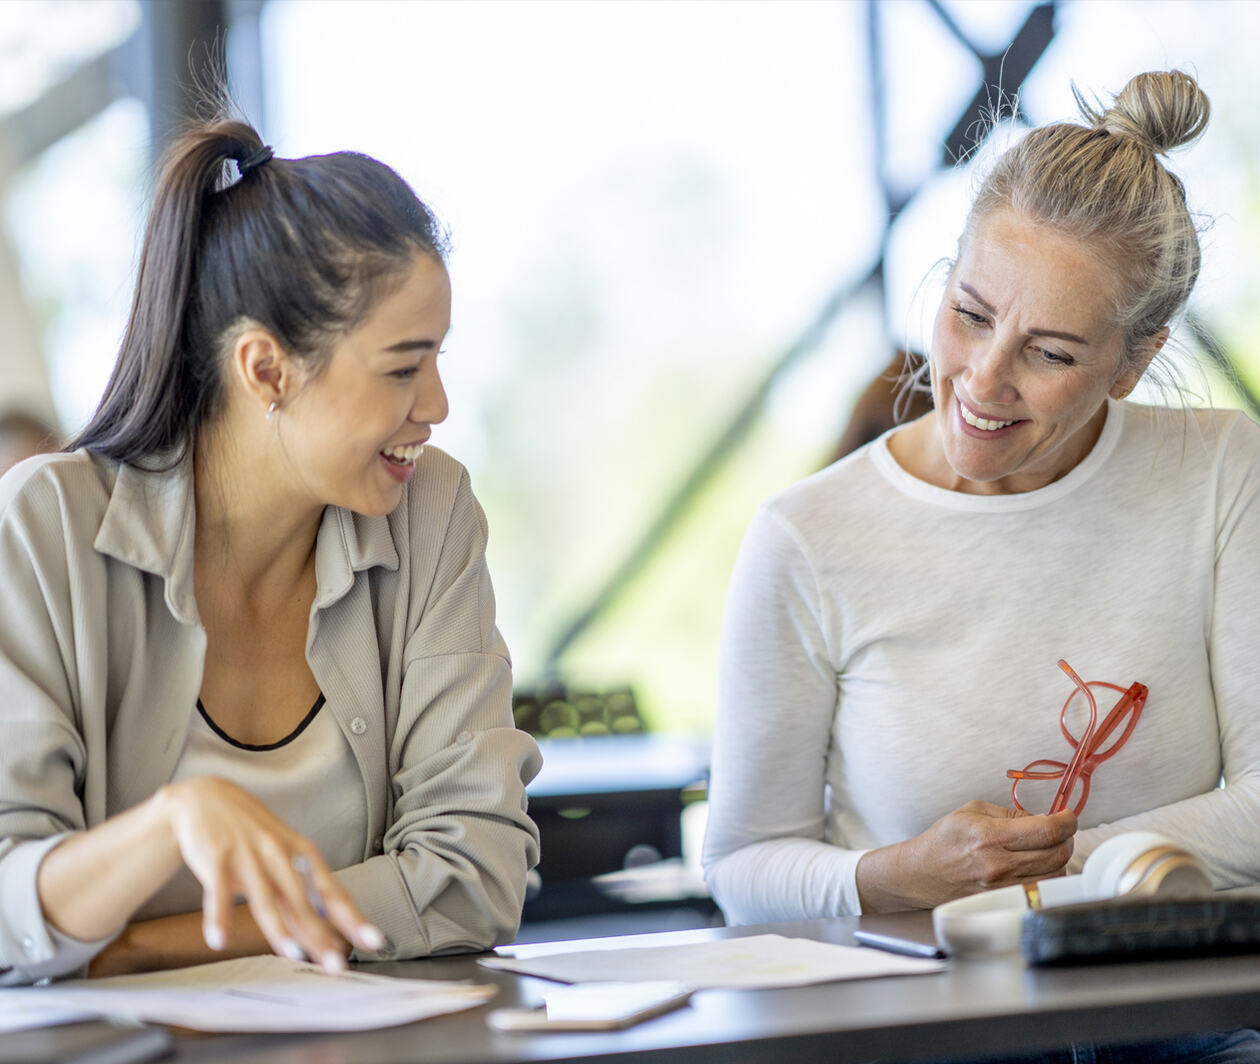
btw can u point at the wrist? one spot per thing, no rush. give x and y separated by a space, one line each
883 882
160 814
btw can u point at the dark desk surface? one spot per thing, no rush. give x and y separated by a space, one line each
996 1005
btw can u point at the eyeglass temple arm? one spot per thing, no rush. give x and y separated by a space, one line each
1083 748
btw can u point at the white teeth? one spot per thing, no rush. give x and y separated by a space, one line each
404 455
981 422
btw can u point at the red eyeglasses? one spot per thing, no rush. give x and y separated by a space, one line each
1090 751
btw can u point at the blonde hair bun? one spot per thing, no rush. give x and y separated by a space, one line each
1162 109
1102 182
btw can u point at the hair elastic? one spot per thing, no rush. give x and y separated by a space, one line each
254 159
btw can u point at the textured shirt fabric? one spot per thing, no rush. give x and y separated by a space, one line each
101 656
310 781
889 651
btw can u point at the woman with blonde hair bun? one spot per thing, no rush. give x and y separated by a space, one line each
889 669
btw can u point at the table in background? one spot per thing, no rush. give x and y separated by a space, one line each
990 1006
597 799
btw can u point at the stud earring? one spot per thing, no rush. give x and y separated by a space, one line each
271 410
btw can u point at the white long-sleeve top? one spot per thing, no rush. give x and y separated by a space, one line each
890 648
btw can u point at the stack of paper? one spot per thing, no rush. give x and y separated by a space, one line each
265 993
753 962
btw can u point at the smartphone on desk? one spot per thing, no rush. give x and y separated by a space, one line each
594 1007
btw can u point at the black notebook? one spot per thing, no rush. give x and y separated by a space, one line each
1142 929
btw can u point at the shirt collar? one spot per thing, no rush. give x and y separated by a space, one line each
349 543
151 518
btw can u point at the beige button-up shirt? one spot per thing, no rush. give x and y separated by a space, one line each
101 656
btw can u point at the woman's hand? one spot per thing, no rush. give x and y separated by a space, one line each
92 882
975 848
236 847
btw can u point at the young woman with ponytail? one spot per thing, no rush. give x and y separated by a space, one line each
251 690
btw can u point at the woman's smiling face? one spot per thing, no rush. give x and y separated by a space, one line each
360 425
1025 351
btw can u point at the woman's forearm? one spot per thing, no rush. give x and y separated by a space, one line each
93 881
176 942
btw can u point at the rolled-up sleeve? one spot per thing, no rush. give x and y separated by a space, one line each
43 755
32 949
460 842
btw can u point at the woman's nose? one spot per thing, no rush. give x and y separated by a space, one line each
430 405
989 375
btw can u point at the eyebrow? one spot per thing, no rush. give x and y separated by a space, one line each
1035 332
405 346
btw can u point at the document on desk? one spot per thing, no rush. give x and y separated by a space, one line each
253 994
754 962
20 1011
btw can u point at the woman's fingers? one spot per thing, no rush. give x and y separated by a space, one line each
305 868
1038 864
1038 846
330 900
316 940
987 846
1041 832
347 918
216 904
235 845
263 895
277 895
304 908
1033 847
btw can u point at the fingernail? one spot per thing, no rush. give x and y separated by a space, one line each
371 937
292 950
214 936
333 961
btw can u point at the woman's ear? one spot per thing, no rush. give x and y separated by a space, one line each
266 371
1129 377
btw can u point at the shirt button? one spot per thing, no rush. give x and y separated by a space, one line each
378 843
358 725
28 945
465 737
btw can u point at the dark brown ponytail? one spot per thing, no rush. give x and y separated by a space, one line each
303 247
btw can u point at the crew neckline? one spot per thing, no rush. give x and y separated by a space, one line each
314 711
908 484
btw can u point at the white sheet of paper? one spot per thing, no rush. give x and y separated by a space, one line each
587 945
22 1013
755 962
265 993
